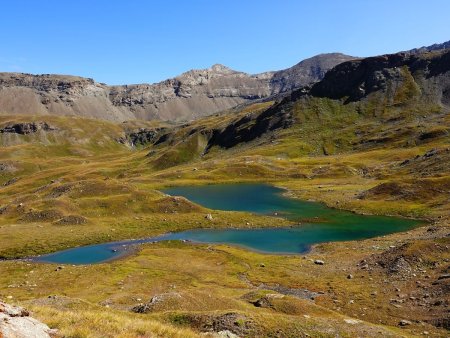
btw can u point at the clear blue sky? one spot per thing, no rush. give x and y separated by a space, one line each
134 41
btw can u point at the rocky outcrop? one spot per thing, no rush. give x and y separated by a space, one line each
15 322
26 128
430 163
191 95
236 323
7 167
42 216
71 220
142 136
156 301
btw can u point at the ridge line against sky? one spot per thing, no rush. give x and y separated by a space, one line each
138 41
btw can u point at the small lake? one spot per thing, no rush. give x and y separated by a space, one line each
317 224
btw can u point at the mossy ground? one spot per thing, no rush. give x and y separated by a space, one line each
82 170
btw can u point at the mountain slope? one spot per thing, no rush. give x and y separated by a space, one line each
305 72
189 96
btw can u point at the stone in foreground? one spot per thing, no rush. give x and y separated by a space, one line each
15 322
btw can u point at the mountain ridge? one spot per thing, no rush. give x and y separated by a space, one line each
186 97
190 95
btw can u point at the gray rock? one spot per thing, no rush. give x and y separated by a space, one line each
156 302
226 334
15 322
404 322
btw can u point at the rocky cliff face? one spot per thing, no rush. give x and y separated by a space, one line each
27 94
191 95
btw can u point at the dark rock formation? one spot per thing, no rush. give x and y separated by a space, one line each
142 136
250 127
423 75
26 128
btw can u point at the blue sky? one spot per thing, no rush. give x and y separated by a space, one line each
133 41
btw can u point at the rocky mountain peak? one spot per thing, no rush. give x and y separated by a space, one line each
213 71
218 68
306 72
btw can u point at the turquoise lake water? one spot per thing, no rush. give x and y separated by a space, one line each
317 224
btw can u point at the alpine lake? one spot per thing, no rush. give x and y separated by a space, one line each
317 223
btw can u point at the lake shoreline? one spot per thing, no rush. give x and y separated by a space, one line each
331 225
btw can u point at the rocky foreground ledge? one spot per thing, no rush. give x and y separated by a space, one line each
15 322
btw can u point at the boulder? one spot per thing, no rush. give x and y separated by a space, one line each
15 322
71 220
157 302
404 322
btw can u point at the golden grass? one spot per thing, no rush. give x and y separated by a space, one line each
101 323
